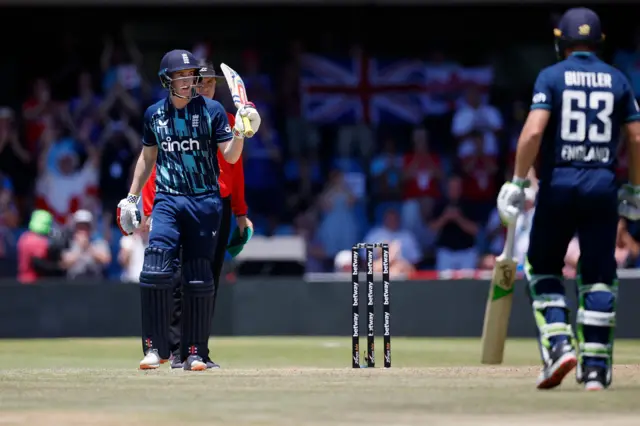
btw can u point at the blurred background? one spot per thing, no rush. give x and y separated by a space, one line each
379 124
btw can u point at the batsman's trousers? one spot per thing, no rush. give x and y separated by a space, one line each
217 261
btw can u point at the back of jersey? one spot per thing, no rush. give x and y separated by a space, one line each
589 102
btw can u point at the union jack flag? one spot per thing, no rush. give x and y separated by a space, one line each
361 89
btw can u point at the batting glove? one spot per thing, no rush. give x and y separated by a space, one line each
249 111
511 200
629 197
127 215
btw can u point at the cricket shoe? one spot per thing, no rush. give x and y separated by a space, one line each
151 360
195 363
595 378
211 364
562 359
176 362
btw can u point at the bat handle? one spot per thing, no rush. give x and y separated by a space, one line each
510 240
248 130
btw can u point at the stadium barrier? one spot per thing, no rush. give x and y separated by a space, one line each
440 308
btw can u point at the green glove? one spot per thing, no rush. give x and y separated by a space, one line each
238 241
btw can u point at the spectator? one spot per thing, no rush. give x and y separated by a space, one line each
37 110
263 171
33 245
305 226
303 186
338 228
87 103
476 117
120 146
479 177
397 264
63 184
14 158
391 231
8 223
88 256
456 229
121 64
131 254
422 172
386 171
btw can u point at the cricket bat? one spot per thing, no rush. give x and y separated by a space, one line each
496 316
238 94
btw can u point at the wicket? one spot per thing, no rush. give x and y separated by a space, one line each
355 310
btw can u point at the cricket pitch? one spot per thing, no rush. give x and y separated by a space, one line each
301 381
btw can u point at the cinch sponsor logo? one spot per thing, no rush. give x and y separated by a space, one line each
186 145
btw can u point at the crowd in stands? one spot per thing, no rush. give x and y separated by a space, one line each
429 189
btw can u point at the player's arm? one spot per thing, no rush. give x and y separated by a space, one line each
533 130
230 146
529 142
144 166
147 158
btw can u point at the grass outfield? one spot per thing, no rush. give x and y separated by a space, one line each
301 381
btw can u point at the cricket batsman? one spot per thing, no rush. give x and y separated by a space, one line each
181 137
579 106
231 182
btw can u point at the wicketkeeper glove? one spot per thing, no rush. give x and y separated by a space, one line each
629 198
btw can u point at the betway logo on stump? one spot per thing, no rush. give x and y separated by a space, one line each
170 145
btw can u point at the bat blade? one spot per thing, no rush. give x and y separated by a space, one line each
498 310
238 93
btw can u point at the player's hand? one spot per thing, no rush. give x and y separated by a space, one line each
127 215
511 200
629 197
243 222
249 111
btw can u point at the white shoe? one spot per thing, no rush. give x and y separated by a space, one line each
151 360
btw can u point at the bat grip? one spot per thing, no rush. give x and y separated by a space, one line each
510 240
248 130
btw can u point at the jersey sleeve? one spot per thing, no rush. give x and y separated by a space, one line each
542 93
149 193
630 104
149 137
220 127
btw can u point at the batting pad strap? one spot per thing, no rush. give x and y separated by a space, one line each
596 350
592 288
555 329
542 302
535 278
595 318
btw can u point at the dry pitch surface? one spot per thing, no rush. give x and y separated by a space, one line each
301 381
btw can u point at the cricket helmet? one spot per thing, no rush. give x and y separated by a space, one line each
207 70
179 60
578 26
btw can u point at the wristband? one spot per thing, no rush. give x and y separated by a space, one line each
521 182
132 198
